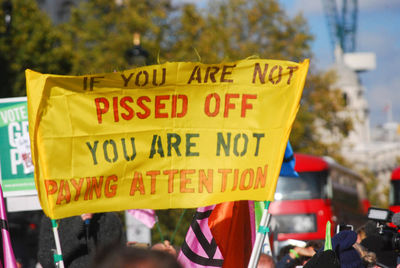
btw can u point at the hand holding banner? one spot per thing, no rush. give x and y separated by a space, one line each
175 135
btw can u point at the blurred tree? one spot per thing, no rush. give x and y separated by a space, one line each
320 126
377 196
100 32
31 42
229 30
236 29
170 227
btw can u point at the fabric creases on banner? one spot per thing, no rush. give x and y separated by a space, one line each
176 135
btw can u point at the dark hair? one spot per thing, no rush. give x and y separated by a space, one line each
315 244
122 257
283 251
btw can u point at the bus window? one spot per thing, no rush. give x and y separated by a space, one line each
345 193
295 223
310 185
394 197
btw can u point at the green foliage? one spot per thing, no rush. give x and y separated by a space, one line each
376 196
31 43
169 224
100 32
320 108
236 29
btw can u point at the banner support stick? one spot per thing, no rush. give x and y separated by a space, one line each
159 230
260 237
177 226
58 260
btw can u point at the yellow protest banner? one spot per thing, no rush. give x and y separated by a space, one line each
176 135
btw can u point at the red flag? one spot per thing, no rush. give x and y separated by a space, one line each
233 228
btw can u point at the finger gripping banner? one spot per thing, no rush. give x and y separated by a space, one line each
176 135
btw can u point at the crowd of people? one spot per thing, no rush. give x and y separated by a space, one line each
365 248
98 241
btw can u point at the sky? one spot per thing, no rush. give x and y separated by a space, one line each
378 31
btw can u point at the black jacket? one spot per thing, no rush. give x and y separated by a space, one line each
78 242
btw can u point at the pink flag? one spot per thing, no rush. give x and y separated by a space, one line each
146 216
220 236
8 253
199 248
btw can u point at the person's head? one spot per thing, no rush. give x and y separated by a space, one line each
368 258
133 257
284 251
265 261
315 244
342 244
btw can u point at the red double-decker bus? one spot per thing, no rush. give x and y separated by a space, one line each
323 191
394 193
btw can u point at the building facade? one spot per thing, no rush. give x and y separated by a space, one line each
376 150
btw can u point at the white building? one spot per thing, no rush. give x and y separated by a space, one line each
375 150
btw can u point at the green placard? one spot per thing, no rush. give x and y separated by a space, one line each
15 157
